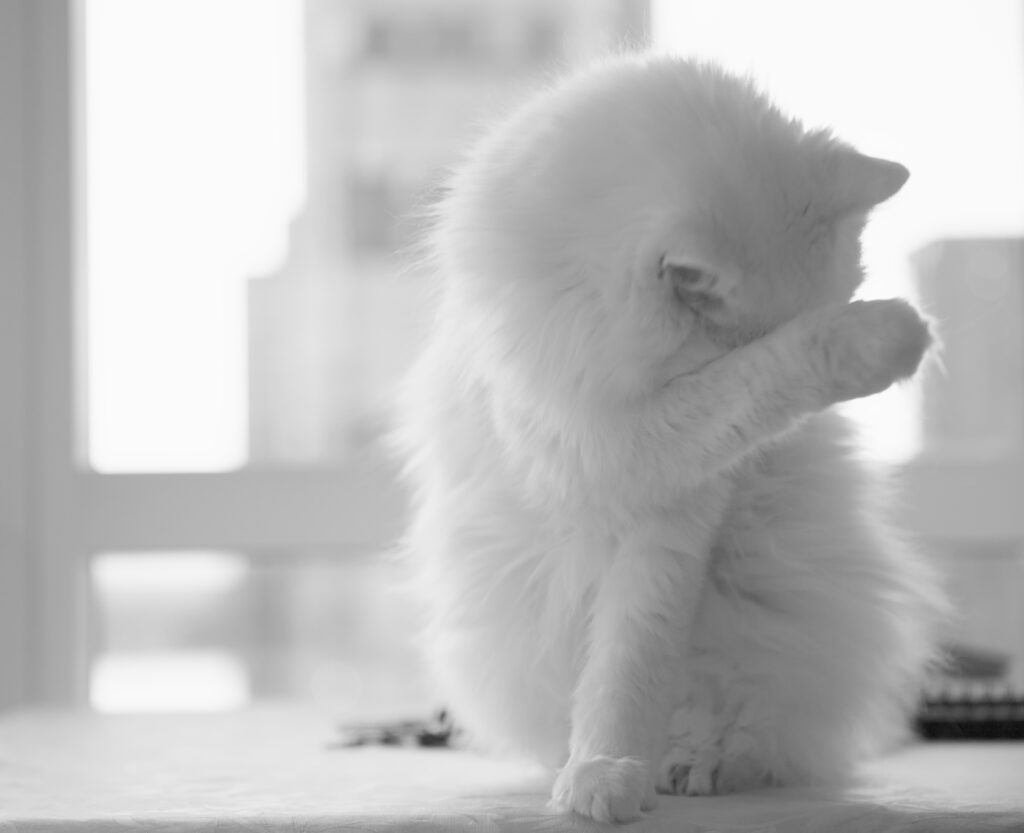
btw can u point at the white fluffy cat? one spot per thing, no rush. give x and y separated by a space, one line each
648 555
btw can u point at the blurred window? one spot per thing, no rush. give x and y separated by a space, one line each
209 500
248 207
213 630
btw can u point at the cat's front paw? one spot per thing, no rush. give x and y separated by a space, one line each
605 789
867 345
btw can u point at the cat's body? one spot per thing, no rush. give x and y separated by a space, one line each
648 555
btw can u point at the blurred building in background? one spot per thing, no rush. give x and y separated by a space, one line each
974 404
395 89
972 423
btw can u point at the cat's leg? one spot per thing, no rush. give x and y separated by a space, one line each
712 418
623 698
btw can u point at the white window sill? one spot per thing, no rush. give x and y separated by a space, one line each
270 768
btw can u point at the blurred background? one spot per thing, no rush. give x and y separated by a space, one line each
246 178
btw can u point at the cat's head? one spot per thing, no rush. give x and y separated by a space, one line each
647 213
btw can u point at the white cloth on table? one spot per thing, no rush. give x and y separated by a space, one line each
270 769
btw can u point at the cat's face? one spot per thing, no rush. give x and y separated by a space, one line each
767 237
651 213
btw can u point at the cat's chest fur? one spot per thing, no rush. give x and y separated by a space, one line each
590 472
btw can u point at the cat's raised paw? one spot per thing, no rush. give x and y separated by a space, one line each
604 789
868 345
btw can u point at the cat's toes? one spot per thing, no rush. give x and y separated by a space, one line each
739 775
697 778
868 345
604 789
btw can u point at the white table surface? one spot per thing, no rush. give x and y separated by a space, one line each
271 769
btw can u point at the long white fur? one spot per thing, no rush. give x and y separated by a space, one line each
647 553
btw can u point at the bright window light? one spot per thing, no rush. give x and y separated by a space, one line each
137 574
155 652
194 168
137 682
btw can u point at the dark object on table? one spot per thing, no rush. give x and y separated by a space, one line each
437 731
986 716
969 663
971 699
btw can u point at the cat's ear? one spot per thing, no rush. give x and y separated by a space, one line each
864 181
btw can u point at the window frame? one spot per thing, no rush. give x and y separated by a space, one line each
14 376
55 513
